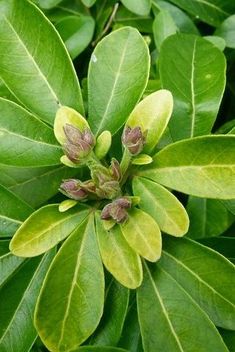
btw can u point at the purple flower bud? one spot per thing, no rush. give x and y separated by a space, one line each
133 139
72 189
79 144
116 210
115 170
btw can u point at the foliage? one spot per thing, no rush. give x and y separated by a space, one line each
101 179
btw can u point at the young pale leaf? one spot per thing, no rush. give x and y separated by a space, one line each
45 228
162 205
152 114
118 257
208 217
142 159
8 262
202 166
111 96
103 144
140 7
227 31
206 275
71 301
163 26
143 234
37 55
209 11
193 69
76 32
66 115
162 303
17 332
25 141
109 330
13 211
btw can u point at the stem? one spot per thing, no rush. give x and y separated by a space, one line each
125 164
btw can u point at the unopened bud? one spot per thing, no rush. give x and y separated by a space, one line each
133 139
72 189
116 210
79 144
109 190
115 169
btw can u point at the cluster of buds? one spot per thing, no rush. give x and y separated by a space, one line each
133 140
117 210
76 189
107 181
78 144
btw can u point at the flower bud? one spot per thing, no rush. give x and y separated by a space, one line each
115 170
133 139
116 210
109 190
72 189
78 144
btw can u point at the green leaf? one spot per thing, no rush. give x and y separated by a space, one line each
162 205
17 332
118 257
227 31
209 11
31 184
221 244
193 69
88 3
206 276
163 27
103 144
208 217
202 166
111 96
45 228
216 41
162 303
71 301
152 114
100 349
8 262
230 205
76 32
142 159
109 330
125 17
25 141
140 7
48 4
143 234
13 211
37 56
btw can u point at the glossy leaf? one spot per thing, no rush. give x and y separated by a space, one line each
162 303
152 114
162 205
193 69
209 11
208 217
109 330
17 332
206 276
77 33
203 167
118 257
140 7
13 211
227 31
25 140
71 302
37 55
45 228
143 234
111 94
163 27
8 262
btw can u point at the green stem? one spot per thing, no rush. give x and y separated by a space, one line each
125 164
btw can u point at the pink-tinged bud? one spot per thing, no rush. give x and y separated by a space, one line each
115 170
79 144
133 139
116 210
72 189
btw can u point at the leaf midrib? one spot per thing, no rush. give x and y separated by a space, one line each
213 6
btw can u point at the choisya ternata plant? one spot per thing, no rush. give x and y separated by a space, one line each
118 196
